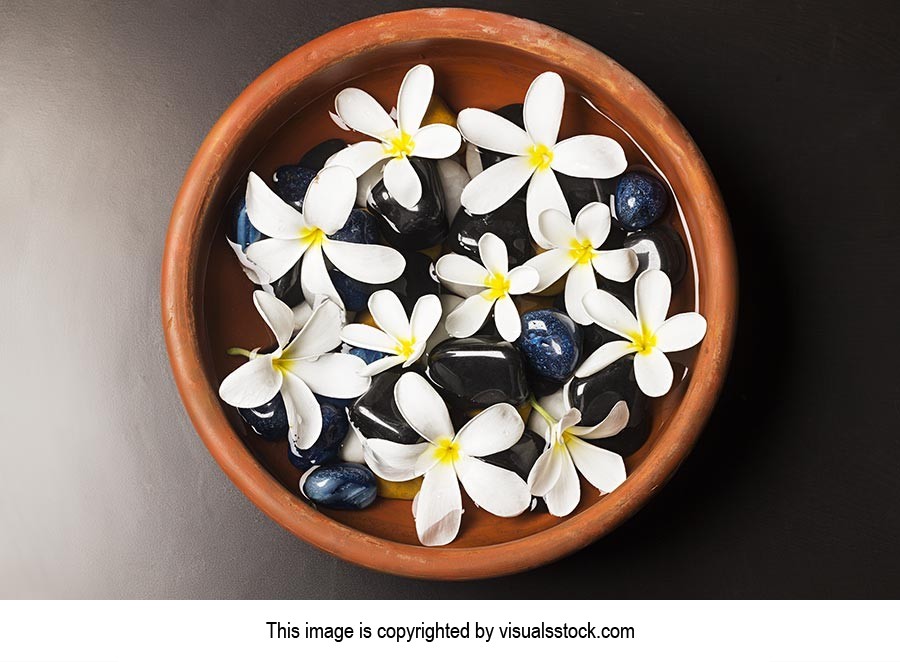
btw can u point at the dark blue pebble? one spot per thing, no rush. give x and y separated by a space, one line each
550 344
342 486
367 355
241 229
335 426
360 228
291 182
641 200
269 421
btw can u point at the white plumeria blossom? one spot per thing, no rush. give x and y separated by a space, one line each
402 338
447 458
486 287
575 251
394 141
554 475
297 368
536 154
296 235
649 335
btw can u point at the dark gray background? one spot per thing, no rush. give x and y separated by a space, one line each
793 488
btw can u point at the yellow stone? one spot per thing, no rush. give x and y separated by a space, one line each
439 112
405 490
433 252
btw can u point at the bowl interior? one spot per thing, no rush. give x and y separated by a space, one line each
468 73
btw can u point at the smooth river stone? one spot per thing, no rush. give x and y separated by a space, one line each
334 428
315 158
550 344
580 191
375 413
641 200
659 247
596 395
520 457
342 486
269 421
241 230
508 222
412 229
477 372
291 182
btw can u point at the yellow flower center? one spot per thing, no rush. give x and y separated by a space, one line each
312 236
497 287
643 342
405 348
400 145
447 450
540 157
581 251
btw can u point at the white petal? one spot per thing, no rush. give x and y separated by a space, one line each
490 131
320 334
543 108
523 279
474 167
362 113
275 256
331 375
368 337
496 185
597 157
653 373
571 417
436 141
507 319
379 366
314 278
543 193
579 282
393 461
389 314
253 271
359 157
603 356
366 182
449 302
438 507
330 198
493 253
469 316
680 332
402 182
269 213
566 493
499 491
551 266
422 407
351 448
276 314
453 268
618 265
557 228
610 313
425 317
301 314
652 294
369 263
593 223
603 469
556 404
453 180
493 430
413 98
545 472
304 413
613 424
251 385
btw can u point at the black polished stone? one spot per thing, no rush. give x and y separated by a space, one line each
412 229
580 191
521 456
507 222
477 372
512 112
287 288
269 420
315 158
596 395
417 280
375 413
629 440
659 247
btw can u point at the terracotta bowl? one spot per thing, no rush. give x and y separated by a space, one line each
484 60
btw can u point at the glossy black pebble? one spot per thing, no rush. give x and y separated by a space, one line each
513 113
596 395
412 229
550 344
641 200
334 428
315 158
342 486
521 456
659 247
509 222
269 421
375 412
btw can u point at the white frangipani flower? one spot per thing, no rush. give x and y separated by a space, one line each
649 335
447 458
295 235
574 249
296 368
402 338
396 141
487 287
555 474
536 154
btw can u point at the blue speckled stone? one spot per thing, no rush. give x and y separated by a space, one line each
269 421
342 486
291 182
361 228
550 344
367 355
641 200
241 229
335 426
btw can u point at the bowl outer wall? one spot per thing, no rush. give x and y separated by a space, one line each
184 264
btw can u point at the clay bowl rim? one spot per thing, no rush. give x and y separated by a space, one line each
184 264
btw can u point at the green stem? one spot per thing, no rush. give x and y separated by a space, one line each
238 351
543 412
